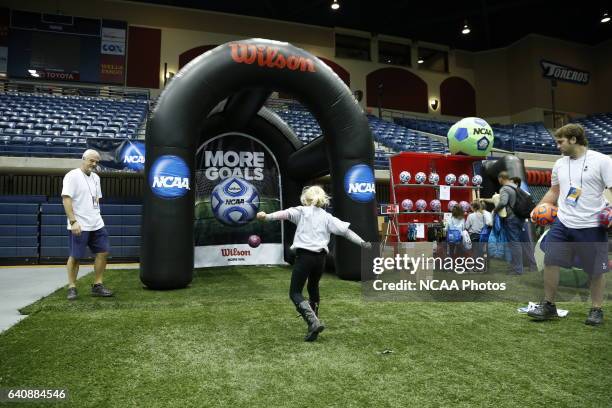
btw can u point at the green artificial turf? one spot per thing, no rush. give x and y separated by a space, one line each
232 339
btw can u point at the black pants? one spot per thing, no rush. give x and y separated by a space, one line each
308 266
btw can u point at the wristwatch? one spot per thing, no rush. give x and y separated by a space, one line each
72 222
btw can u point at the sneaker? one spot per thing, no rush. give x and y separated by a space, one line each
72 294
543 311
595 317
99 290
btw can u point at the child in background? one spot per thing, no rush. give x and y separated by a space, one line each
454 227
474 225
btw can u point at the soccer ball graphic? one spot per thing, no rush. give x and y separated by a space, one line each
405 177
420 177
471 137
234 202
433 178
421 205
544 214
407 204
463 179
465 206
477 180
435 205
451 205
450 179
605 217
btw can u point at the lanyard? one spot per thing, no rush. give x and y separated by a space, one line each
94 196
569 168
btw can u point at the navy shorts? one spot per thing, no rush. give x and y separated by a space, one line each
586 248
97 241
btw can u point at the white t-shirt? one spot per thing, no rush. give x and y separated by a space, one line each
595 170
85 191
314 226
455 223
488 218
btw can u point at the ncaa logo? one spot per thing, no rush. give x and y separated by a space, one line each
359 183
169 177
133 156
483 143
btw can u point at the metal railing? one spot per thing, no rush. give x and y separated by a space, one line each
63 89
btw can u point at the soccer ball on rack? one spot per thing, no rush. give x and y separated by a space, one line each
450 179
435 205
433 178
405 177
477 180
463 179
420 177
451 205
234 202
471 137
465 206
421 205
544 214
407 204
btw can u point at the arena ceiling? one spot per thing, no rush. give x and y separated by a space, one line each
493 23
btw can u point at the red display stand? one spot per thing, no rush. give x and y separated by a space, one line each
426 163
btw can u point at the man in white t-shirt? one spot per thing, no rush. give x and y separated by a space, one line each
81 194
578 182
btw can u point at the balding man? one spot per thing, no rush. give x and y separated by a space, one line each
81 194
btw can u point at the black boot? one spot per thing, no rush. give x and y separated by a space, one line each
314 306
314 325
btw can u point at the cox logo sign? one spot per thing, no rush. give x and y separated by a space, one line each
359 183
169 177
112 48
133 156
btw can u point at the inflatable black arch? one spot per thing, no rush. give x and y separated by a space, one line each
174 130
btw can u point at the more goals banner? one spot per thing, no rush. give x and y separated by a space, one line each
236 177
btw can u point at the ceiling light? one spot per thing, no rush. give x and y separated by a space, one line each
466 28
605 18
420 60
335 5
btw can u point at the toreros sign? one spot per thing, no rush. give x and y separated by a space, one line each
553 70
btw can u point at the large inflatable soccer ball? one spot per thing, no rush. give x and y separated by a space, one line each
463 179
234 201
420 177
450 179
465 206
421 205
544 214
407 204
433 178
405 177
451 205
471 137
435 205
605 217
477 180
